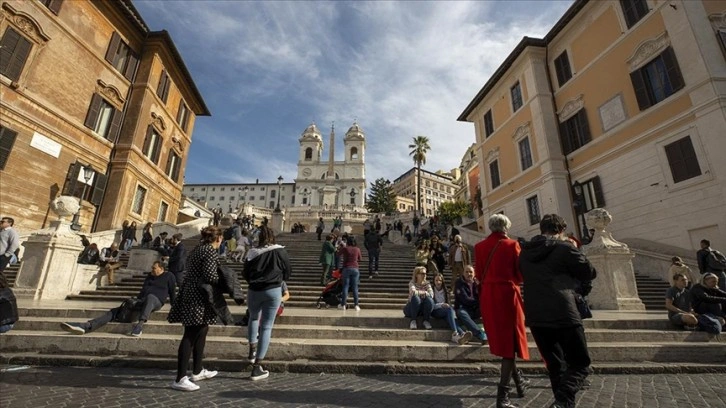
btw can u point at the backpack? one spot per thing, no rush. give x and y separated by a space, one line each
716 261
228 234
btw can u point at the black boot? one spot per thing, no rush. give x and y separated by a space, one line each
503 397
520 382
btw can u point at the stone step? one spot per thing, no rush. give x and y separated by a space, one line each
334 350
309 302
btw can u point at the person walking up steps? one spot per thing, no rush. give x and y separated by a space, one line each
266 267
327 257
373 243
350 255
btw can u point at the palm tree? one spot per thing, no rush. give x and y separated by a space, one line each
419 148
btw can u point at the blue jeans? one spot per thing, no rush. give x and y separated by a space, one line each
351 276
262 306
373 256
416 306
149 305
447 314
466 317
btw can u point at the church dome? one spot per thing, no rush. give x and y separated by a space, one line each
355 132
311 132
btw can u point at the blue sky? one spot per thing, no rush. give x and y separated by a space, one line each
268 69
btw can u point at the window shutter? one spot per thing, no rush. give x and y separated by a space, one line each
157 150
672 69
161 90
179 113
175 174
71 179
113 47
565 138
599 197
7 139
115 128
55 6
15 50
584 127
641 93
168 163
99 186
93 110
147 140
131 63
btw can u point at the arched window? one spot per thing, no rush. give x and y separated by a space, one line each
354 153
309 153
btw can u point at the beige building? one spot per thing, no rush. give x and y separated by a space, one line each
467 182
622 105
94 104
230 197
435 188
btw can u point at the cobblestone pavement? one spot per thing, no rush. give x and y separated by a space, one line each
22 386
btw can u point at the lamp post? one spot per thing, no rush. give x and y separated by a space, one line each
279 188
352 197
87 174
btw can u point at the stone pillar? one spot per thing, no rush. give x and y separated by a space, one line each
140 261
614 288
278 222
49 266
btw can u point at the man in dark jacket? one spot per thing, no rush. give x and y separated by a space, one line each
373 243
466 303
552 268
711 260
708 299
177 258
157 286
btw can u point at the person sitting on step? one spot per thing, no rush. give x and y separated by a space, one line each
443 310
466 303
420 299
678 303
157 286
109 261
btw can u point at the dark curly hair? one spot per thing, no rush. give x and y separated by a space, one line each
266 237
210 234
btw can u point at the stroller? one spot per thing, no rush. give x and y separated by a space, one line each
332 292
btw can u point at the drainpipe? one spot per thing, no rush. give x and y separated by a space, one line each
578 230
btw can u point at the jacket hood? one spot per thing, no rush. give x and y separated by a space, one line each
539 248
255 252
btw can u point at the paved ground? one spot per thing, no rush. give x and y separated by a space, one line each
125 387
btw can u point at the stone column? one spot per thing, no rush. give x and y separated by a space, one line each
49 266
614 288
277 222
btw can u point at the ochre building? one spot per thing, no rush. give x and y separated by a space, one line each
621 105
94 104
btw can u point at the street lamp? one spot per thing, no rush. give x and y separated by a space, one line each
352 197
87 174
279 188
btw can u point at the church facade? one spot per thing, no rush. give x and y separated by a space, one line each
331 184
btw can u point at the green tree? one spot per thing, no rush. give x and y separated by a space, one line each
449 211
382 198
419 148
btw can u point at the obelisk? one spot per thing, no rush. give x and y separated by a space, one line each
330 193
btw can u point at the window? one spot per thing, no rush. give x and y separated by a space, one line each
173 163
721 36
273 193
182 117
525 154
221 198
138 204
7 140
575 132
309 153
588 195
562 67
103 118
231 189
252 189
354 153
633 11
488 124
221 189
53 5
152 145
191 189
163 209
272 204
75 183
657 80
682 160
204 188
262 189
262 198
494 173
211 198
120 55
162 90
533 210
516 93
14 51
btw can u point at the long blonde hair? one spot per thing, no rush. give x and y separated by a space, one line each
416 271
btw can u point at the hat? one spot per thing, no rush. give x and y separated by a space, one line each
164 233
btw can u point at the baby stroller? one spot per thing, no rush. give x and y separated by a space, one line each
332 292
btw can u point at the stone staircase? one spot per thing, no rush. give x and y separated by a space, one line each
306 339
651 291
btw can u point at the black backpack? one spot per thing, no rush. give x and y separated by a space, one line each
228 233
716 261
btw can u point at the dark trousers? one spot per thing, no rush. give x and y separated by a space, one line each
373 256
149 305
4 261
192 344
564 351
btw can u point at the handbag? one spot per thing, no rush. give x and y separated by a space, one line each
129 310
582 306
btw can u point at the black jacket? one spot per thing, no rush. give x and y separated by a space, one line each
373 241
552 271
178 259
708 300
160 286
214 294
8 307
267 267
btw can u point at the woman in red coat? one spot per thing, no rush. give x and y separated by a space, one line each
502 309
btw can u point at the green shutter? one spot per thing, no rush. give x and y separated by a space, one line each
672 69
14 51
597 187
641 92
7 140
69 186
115 128
113 47
99 186
93 110
132 62
55 6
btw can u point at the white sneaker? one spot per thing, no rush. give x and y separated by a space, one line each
341 307
184 385
203 375
427 325
357 308
455 338
465 338
413 325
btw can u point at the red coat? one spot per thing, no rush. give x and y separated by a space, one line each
500 299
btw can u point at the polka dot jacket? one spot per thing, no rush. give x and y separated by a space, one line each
191 308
